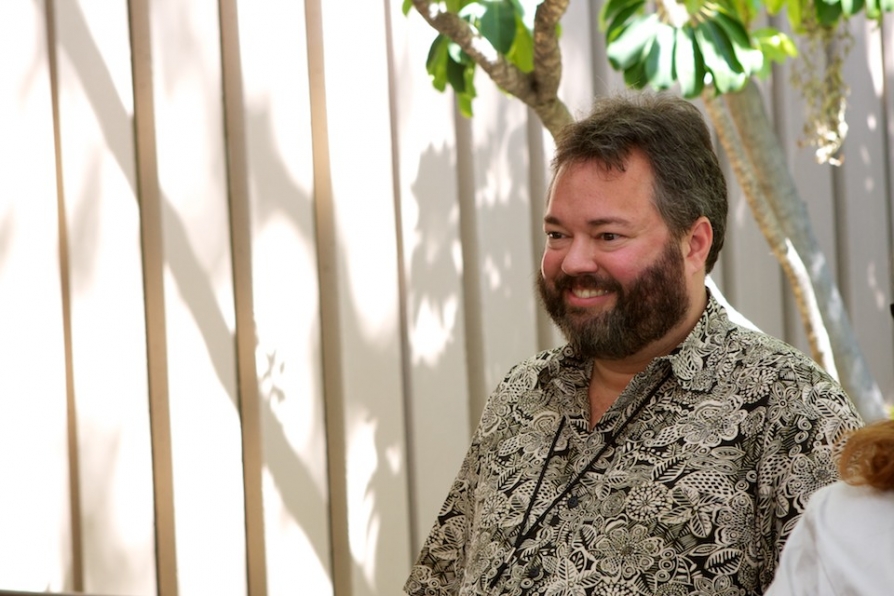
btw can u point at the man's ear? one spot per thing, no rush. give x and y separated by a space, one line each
697 244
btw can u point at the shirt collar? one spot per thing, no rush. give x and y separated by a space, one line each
693 362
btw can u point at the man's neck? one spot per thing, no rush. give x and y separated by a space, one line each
609 378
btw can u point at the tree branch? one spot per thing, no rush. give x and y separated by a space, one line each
548 67
547 56
505 74
537 89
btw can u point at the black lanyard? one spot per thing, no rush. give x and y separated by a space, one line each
522 533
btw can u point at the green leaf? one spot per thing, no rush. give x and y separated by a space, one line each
408 4
751 59
873 10
694 6
621 19
660 61
632 44
635 76
719 57
611 9
522 52
774 6
688 64
744 10
465 105
526 10
827 14
470 80
851 7
456 75
795 12
457 54
775 45
464 99
436 63
472 11
734 28
497 24
886 5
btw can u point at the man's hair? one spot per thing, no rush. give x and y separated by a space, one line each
673 136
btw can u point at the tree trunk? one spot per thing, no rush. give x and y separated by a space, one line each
769 224
775 186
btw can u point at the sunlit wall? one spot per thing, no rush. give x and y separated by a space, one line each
257 278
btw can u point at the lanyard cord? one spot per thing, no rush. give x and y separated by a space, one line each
522 534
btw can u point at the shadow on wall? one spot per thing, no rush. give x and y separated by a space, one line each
286 468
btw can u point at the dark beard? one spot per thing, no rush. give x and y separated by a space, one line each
645 312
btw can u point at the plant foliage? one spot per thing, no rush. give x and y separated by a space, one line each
506 24
657 43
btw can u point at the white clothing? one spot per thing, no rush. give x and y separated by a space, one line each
843 545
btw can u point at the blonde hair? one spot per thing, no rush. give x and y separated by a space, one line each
868 456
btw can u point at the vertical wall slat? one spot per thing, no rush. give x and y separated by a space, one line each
240 226
436 368
364 269
503 210
149 195
887 28
206 435
110 386
74 476
865 279
273 44
330 335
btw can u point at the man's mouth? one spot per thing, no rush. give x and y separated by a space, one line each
588 292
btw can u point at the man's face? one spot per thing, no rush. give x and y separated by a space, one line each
612 276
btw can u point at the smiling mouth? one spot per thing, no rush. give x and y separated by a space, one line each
588 292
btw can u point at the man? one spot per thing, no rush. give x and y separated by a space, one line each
664 449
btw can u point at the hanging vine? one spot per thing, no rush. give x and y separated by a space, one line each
818 73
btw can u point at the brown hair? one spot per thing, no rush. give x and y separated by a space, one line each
673 136
868 456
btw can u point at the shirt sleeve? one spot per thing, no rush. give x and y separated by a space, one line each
438 570
805 425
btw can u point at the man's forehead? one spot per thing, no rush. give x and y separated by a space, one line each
604 170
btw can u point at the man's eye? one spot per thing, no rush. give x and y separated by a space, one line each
553 235
609 236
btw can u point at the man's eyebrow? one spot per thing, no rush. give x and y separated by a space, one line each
593 223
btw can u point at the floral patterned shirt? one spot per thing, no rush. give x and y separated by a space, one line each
689 484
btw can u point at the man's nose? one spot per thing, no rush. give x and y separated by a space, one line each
580 258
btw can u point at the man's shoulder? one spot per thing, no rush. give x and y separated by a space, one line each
750 343
764 344
524 382
547 362
742 354
794 384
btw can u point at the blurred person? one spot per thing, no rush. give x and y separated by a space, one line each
844 542
663 449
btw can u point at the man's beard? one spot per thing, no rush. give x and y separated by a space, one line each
644 312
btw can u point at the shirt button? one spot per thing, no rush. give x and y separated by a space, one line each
572 501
